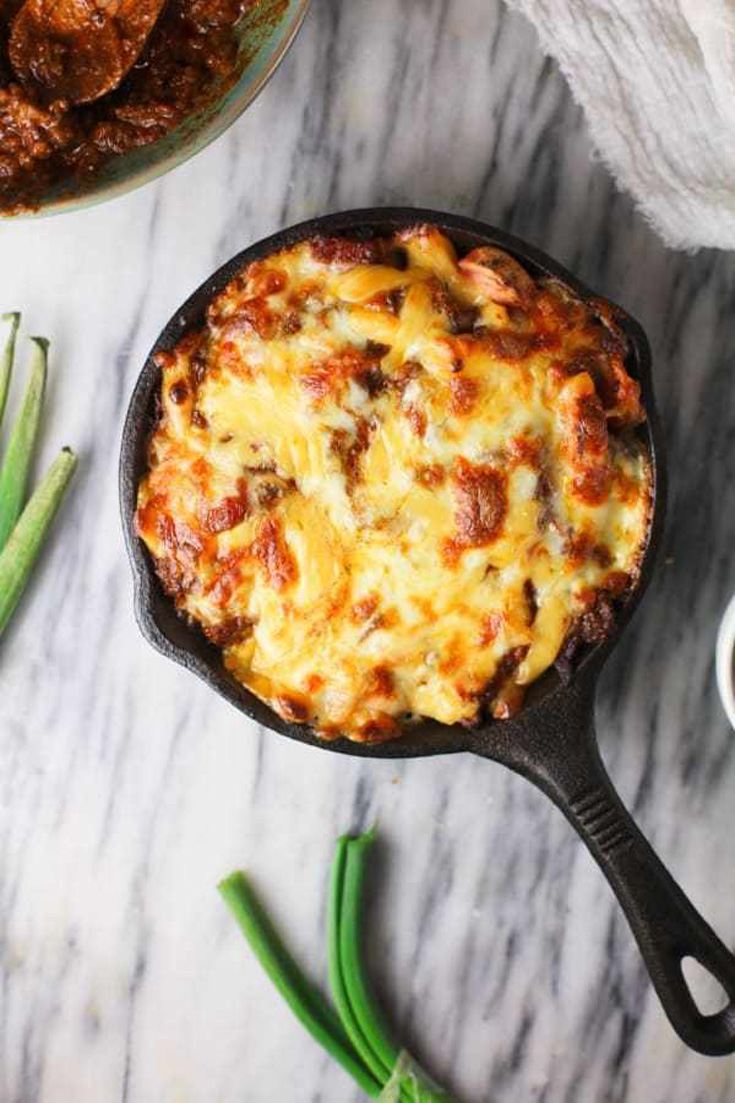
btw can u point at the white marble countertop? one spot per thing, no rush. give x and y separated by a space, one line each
127 788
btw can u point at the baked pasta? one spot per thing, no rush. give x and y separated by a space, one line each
393 483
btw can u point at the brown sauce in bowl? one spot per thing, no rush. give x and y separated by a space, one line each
192 54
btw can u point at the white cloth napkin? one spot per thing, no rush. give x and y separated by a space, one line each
656 79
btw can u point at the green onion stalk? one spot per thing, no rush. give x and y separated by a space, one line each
348 975
20 553
304 999
356 1035
6 359
22 443
23 527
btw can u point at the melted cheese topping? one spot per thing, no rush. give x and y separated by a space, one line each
392 483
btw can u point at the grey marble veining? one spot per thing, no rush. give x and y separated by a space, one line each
127 789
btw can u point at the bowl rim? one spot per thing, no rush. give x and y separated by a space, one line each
135 431
725 661
214 129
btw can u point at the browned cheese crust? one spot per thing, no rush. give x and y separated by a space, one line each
390 482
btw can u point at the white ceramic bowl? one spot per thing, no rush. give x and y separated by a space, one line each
725 661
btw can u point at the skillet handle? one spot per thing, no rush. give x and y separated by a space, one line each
564 761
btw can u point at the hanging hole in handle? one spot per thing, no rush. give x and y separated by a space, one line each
704 988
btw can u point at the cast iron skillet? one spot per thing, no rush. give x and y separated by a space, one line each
552 741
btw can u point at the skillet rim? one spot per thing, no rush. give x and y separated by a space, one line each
204 659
